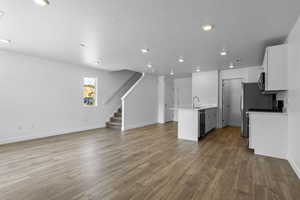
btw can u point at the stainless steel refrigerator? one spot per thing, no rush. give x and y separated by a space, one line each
252 98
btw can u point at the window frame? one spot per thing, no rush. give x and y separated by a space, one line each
96 91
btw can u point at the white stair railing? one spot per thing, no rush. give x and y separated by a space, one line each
114 102
124 88
127 94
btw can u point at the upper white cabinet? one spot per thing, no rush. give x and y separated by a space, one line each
275 68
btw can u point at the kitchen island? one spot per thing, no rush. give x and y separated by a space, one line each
194 123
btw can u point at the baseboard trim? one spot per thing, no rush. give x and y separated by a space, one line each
294 166
139 126
46 135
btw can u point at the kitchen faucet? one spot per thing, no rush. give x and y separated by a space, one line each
196 97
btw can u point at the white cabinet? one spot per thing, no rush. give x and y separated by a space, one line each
275 68
210 119
188 124
268 134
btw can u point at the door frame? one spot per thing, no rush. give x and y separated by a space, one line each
222 96
169 89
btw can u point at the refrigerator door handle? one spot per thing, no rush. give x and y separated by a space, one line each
241 109
241 101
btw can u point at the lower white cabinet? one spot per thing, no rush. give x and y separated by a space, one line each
191 124
210 119
268 134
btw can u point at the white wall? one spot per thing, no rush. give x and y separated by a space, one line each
165 99
294 97
182 93
205 86
140 106
40 98
169 98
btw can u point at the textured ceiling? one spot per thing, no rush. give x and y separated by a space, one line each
115 31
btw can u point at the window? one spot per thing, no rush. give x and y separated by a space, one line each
90 91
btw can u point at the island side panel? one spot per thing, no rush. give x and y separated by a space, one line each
188 124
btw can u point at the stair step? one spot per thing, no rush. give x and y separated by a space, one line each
116 119
118 114
113 125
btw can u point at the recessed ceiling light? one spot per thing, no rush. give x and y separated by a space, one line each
97 62
231 65
238 60
149 65
172 73
181 60
4 42
207 27
223 52
82 44
145 51
42 2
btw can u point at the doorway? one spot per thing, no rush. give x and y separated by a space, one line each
231 102
169 100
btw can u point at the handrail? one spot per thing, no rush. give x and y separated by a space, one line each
125 86
132 87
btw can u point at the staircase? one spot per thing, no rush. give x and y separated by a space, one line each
115 122
115 99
